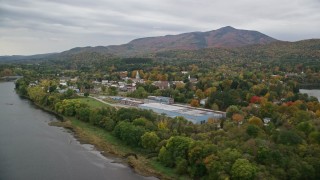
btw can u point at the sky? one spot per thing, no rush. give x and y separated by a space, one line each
44 26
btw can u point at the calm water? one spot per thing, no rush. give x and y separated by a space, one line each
31 149
311 92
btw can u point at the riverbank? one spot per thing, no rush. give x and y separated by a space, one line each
109 145
141 161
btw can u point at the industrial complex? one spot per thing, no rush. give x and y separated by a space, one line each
164 105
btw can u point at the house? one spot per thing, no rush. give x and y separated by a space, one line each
266 120
104 82
123 74
203 101
131 87
192 80
162 84
75 79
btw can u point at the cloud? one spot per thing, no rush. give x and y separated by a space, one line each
40 26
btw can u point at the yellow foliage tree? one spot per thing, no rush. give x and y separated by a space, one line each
255 121
163 125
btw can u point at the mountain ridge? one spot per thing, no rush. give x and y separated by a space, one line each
225 37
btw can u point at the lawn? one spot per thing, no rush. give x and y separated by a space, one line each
92 102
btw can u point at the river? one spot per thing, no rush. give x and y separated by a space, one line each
31 149
311 92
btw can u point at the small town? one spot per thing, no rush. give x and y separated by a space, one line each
160 90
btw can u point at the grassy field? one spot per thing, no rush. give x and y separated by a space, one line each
92 102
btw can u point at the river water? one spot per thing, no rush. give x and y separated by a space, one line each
31 149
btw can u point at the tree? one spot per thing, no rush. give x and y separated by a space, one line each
289 137
6 72
86 94
198 150
243 169
69 93
232 110
112 91
194 103
255 99
83 114
252 130
103 88
199 94
305 127
237 118
181 166
318 113
150 140
36 94
255 121
176 147
109 123
314 137
129 133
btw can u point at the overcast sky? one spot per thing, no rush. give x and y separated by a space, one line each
42 26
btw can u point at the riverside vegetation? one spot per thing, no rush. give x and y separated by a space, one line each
250 89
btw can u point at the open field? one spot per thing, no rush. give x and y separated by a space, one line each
92 102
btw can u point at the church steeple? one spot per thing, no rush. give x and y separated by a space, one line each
137 75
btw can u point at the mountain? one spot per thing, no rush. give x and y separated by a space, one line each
304 52
17 58
226 37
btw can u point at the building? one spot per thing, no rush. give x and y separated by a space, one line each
192 80
160 99
130 102
195 115
162 84
137 79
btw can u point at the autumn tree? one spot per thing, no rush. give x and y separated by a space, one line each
243 169
176 147
194 103
237 118
150 140
255 121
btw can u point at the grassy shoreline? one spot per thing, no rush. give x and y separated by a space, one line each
109 145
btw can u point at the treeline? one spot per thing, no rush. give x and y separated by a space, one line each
245 147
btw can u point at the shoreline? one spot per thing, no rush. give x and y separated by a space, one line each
134 160
137 162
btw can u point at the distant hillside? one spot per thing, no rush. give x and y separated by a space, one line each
18 58
217 46
306 51
226 37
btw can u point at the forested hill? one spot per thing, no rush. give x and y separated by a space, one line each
226 37
306 51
